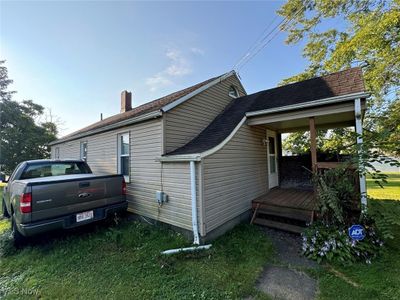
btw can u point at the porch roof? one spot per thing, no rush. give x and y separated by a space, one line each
319 91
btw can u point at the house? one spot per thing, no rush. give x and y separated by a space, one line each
198 159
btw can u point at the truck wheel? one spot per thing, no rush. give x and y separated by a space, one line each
4 208
19 239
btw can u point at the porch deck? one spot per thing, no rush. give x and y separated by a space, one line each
286 209
289 198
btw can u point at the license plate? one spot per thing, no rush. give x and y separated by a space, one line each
87 215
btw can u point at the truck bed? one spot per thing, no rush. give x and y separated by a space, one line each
67 194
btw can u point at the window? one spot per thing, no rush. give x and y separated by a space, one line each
123 155
84 151
233 92
57 153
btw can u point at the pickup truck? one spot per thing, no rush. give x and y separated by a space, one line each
44 195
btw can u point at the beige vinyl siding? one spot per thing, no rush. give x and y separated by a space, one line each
149 176
234 176
176 184
68 150
188 119
145 177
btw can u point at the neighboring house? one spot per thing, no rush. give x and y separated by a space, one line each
211 146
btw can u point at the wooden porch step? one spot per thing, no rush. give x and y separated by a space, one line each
279 225
286 212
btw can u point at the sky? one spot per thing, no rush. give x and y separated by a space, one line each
76 57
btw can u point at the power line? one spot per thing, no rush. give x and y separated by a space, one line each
258 46
265 44
257 41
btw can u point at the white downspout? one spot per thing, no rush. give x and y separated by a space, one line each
363 184
195 226
196 240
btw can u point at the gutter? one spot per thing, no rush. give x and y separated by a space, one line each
144 117
324 101
195 225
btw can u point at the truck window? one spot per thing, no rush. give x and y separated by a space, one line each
55 169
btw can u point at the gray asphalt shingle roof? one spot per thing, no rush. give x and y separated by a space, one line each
341 83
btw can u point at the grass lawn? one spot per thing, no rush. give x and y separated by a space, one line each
391 189
124 261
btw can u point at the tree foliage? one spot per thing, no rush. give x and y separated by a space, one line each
23 135
344 33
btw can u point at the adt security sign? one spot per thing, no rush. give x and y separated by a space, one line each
357 232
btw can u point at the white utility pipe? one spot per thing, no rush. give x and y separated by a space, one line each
195 226
196 239
188 249
363 184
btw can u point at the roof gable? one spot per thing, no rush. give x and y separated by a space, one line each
333 85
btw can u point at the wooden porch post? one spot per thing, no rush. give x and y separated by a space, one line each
313 145
362 180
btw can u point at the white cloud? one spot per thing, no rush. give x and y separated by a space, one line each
178 67
197 51
157 81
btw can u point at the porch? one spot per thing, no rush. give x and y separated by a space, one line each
287 209
291 204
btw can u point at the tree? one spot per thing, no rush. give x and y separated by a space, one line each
22 136
364 33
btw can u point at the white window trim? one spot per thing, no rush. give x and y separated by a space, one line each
119 155
82 157
57 153
236 91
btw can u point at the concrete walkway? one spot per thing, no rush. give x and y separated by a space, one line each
285 278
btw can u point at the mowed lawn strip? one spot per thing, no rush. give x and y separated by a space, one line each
124 260
390 190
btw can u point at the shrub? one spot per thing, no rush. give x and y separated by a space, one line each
327 239
332 243
335 195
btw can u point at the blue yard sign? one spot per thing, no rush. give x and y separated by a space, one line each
357 232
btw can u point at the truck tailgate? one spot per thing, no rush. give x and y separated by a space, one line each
62 196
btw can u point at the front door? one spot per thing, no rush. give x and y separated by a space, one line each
273 180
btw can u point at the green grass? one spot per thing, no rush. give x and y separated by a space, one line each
390 190
124 261
380 280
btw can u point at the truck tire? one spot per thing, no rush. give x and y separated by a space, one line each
4 209
18 238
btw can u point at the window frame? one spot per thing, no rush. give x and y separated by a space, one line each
57 153
81 155
237 95
120 155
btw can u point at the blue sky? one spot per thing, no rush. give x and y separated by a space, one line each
76 57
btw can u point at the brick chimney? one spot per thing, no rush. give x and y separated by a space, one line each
126 101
